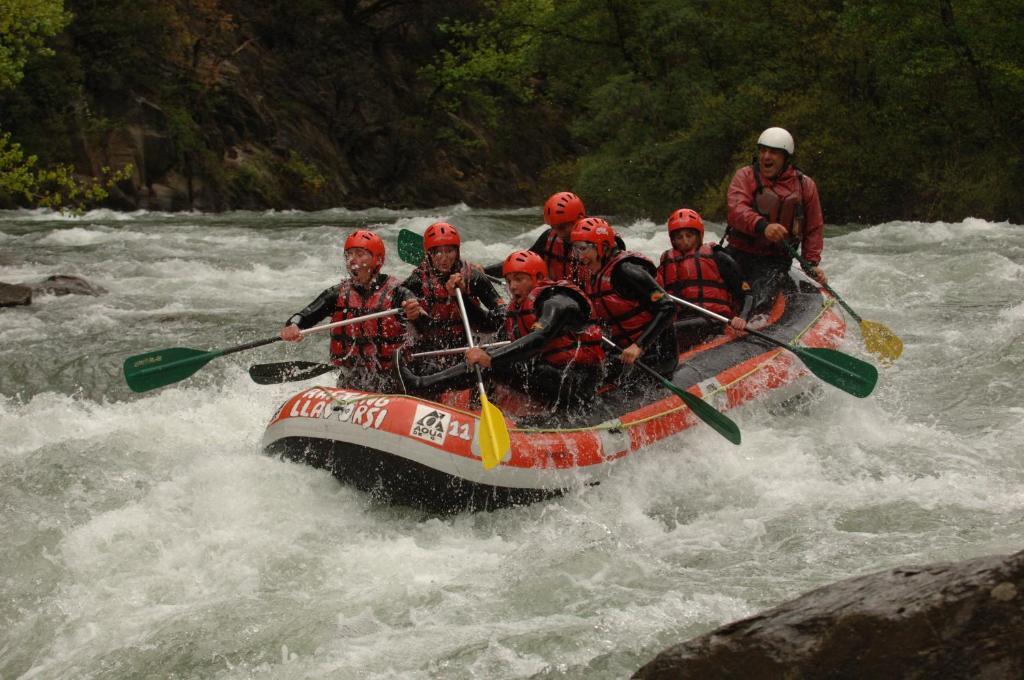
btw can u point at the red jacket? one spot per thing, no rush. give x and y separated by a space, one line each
367 344
749 224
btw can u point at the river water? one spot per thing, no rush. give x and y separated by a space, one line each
147 535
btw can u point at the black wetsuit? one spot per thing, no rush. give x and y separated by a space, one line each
324 307
767 275
692 327
519 365
633 281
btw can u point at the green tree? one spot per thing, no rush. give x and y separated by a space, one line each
25 26
899 109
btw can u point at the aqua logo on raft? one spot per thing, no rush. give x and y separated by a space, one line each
430 424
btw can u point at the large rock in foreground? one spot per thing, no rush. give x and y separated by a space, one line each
956 620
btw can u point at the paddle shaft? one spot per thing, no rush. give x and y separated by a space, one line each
469 337
718 317
143 371
267 341
492 420
456 350
348 322
717 420
641 364
845 372
807 266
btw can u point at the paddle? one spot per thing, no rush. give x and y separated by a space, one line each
494 438
410 249
848 373
718 421
455 350
878 339
289 371
144 372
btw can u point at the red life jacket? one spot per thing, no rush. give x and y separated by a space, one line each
787 211
446 329
695 278
625 318
370 344
581 345
556 255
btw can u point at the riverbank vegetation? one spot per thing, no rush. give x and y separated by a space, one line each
900 110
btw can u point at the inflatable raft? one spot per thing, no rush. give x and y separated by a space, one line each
426 454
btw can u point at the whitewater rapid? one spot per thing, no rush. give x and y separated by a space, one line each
147 535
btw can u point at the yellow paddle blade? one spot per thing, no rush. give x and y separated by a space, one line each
494 437
879 340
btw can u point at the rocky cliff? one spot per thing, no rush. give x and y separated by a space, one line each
224 104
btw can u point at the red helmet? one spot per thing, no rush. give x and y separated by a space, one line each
684 218
441 234
594 230
362 238
562 208
525 262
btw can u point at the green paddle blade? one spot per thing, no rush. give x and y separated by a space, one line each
144 372
410 247
718 421
846 372
881 341
494 438
287 371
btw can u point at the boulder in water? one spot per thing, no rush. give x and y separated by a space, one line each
950 620
14 295
61 284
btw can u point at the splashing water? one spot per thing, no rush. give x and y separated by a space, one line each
147 534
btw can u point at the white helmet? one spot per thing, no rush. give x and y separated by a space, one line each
777 138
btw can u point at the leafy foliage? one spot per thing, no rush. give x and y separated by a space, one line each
904 109
899 109
53 187
25 25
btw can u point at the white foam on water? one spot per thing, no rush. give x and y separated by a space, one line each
148 535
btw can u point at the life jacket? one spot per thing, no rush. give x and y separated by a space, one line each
446 328
787 211
625 318
696 278
369 344
581 345
557 257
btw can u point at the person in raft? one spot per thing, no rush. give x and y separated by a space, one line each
628 301
704 274
434 282
770 202
561 212
364 351
556 354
